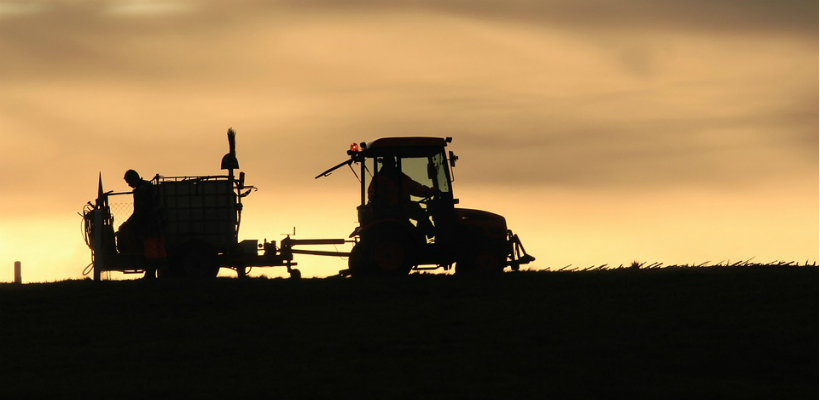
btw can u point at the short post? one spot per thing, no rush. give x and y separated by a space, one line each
18 276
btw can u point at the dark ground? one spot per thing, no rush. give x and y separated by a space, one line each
694 333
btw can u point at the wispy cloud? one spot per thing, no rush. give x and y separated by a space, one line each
12 8
150 7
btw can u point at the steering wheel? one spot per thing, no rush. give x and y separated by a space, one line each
428 199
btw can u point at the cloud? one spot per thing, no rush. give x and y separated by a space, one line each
579 94
150 7
18 8
795 16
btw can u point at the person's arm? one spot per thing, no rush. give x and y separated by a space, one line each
142 200
417 189
371 189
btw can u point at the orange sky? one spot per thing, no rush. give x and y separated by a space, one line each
675 131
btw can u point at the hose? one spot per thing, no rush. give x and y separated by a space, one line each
88 268
85 225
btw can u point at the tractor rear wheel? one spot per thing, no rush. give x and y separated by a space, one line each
382 254
391 256
356 262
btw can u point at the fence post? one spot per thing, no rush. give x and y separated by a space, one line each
18 277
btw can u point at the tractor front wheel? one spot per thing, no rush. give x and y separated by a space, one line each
482 258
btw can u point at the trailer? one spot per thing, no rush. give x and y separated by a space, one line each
202 216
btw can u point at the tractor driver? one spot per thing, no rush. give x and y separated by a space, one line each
147 222
390 192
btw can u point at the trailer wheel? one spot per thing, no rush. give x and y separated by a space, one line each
295 274
198 260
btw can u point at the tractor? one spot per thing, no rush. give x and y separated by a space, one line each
408 219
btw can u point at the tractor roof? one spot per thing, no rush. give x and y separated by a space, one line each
404 145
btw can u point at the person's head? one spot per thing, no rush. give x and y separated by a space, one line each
389 163
132 178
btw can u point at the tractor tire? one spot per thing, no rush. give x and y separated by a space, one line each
482 258
197 261
384 254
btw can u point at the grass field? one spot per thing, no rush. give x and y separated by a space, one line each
696 333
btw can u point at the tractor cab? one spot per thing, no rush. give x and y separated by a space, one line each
407 180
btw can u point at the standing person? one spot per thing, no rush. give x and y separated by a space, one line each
148 222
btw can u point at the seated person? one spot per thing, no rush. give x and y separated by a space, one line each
389 193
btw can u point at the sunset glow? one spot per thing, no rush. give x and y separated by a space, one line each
605 132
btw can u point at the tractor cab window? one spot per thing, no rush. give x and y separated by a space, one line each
439 170
416 169
396 180
429 171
